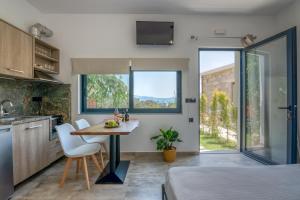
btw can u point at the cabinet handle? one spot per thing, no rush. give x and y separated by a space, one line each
33 127
15 70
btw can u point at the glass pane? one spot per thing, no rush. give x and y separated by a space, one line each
266 91
107 91
155 89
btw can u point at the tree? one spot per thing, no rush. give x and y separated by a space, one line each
253 98
213 118
234 117
109 91
224 111
203 109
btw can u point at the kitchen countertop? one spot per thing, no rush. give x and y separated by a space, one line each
15 120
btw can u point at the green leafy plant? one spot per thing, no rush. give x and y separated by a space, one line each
234 117
213 118
224 111
166 139
203 109
108 91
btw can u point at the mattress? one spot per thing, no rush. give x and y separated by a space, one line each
234 183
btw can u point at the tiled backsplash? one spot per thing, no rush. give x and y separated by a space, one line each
56 99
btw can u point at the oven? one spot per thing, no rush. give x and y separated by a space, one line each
55 120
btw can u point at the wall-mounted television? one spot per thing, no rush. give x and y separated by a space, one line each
154 33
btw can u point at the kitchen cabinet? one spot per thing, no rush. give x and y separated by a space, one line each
30 152
46 57
16 52
55 150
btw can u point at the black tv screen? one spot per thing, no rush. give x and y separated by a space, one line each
154 33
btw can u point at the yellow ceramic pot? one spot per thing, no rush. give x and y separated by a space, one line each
170 155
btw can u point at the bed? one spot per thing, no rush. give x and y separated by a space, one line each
233 183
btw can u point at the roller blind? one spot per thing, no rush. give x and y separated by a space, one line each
100 65
160 63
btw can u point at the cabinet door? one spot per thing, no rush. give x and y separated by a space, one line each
16 52
55 150
29 149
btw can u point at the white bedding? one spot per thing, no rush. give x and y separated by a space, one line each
234 183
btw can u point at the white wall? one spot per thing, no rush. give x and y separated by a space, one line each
114 36
288 18
19 13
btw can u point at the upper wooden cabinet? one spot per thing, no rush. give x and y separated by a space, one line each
16 51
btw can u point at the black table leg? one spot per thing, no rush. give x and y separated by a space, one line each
116 170
118 150
112 153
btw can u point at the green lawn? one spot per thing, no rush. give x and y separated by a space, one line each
216 143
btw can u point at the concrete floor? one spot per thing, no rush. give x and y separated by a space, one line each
143 182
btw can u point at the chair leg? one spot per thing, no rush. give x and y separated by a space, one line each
86 173
66 170
101 159
78 167
96 163
103 144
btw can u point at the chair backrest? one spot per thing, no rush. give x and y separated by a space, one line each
67 140
82 123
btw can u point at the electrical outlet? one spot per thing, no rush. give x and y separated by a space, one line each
190 100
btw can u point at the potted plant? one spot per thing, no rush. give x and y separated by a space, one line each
165 141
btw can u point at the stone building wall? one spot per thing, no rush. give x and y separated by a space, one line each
221 79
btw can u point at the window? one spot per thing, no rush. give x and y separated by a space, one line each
140 92
156 90
104 92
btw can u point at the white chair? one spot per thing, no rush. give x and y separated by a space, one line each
76 149
101 139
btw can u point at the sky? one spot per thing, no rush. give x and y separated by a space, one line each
209 60
155 84
163 84
213 59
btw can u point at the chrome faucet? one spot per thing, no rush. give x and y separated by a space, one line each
3 112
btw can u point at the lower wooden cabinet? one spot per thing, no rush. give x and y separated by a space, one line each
55 150
30 152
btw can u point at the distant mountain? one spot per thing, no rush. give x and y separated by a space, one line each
156 99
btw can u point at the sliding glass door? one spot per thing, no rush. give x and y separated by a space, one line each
269 99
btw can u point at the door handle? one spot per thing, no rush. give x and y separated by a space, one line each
285 108
33 127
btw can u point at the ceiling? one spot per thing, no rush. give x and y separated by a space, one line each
245 7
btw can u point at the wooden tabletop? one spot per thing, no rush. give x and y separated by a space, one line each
125 128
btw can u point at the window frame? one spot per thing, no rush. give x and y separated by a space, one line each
178 108
83 100
131 109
